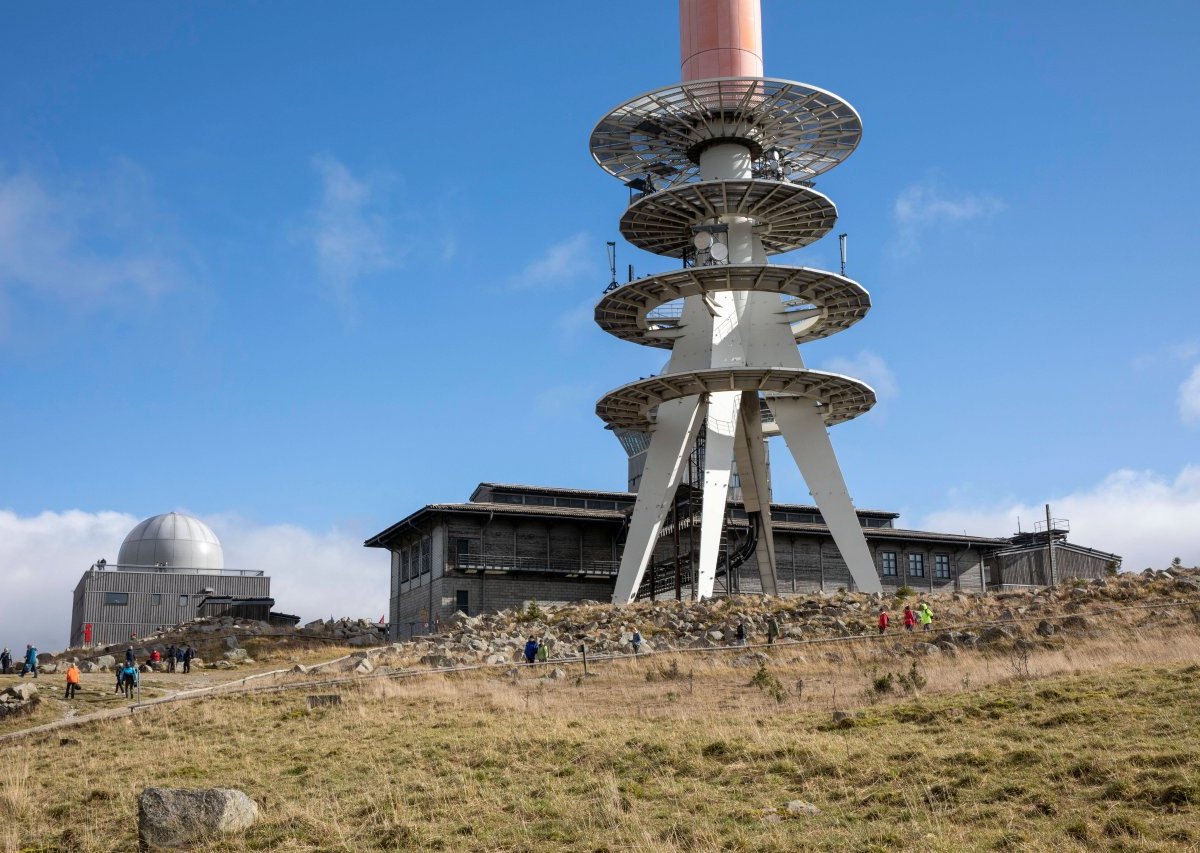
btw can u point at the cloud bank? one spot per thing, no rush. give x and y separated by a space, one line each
313 574
1140 515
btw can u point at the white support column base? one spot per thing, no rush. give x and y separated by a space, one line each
751 457
721 429
808 440
671 443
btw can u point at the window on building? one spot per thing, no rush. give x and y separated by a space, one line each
462 552
888 559
404 566
414 562
462 601
116 599
426 554
941 566
601 504
502 498
183 600
539 500
916 565
574 503
156 599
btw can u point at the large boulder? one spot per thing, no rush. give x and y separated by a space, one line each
179 817
106 662
23 691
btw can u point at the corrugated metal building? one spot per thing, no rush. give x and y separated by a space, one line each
117 601
167 567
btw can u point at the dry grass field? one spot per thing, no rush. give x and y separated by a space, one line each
1075 743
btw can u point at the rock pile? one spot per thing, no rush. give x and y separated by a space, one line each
666 625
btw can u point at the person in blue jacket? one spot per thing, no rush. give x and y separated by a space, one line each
129 679
531 650
30 661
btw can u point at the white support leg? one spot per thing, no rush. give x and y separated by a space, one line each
750 453
808 440
671 443
721 428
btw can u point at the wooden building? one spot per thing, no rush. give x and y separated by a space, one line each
511 544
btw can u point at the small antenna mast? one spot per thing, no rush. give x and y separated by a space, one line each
842 247
612 265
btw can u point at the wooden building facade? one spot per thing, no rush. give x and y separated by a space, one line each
511 544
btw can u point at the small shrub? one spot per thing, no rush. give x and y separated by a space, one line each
882 683
531 613
905 592
768 682
913 680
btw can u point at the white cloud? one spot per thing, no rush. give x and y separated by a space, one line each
868 367
1142 516
349 231
922 206
562 262
313 574
1189 398
83 246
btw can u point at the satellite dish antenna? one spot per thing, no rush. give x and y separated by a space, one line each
702 240
719 251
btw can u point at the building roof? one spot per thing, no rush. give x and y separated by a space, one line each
553 490
380 540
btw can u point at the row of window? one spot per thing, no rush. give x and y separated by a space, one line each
916 565
416 560
549 500
121 599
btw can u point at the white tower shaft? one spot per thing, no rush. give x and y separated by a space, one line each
732 335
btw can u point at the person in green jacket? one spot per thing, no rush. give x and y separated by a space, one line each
926 616
543 652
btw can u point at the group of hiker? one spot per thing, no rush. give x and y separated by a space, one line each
923 614
28 665
177 659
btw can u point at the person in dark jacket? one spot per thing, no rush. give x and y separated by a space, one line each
531 650
741 633
171 658
186 656
129 655
5 660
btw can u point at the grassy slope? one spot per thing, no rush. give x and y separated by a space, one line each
1098 751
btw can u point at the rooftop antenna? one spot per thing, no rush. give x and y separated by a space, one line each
842 247
612 266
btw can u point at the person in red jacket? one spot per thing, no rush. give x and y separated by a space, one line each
910 618
883 620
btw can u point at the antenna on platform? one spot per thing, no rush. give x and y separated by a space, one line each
612 266
842 248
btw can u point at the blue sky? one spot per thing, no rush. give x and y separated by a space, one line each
299 269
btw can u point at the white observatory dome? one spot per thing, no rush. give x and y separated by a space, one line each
179 541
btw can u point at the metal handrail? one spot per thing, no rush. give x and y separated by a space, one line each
512 563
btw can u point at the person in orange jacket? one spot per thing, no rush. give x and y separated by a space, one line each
72 680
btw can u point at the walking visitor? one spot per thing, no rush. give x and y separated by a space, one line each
741 633
926 616
129 679
171 658
531 649
186 654
910 618
30 661
5 660
883 620
636 642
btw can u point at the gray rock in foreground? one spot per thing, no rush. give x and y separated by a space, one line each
177 817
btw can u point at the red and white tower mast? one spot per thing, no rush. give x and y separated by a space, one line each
723 162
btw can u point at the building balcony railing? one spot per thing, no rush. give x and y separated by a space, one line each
176 570
505 563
